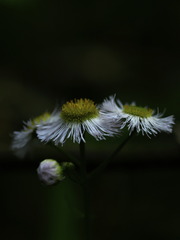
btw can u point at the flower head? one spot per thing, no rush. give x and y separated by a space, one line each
74 119
23 137
141 119
50 172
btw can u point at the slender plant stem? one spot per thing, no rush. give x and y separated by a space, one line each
82 159
104 164
68 155
84 185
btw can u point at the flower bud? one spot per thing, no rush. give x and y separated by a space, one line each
67 165
50 172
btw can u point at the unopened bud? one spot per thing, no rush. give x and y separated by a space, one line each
50 172
67 165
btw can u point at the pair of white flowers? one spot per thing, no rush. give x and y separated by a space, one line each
79 116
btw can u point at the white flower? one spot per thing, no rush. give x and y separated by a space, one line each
141 119
23 137
50 172
75 118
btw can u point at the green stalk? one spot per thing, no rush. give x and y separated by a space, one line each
82 159
104 164
70 157
83 166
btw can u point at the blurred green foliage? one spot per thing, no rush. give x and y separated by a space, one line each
125 203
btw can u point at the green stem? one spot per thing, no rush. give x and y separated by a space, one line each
68 155
84 185
104 164
82 158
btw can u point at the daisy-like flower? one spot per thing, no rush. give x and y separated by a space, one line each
141 119
23 137
50 172
75 118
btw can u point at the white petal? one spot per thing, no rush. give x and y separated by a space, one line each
21 138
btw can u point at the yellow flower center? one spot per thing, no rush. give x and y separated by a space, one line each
138 111
40 118
79 110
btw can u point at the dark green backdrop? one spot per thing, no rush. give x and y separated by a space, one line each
53 51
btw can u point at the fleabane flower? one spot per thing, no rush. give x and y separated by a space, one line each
139 119
50 172
75 118
23 137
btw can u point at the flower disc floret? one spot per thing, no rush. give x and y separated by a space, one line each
79 110
42 118
137 111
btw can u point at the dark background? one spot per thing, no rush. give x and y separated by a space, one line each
53 51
